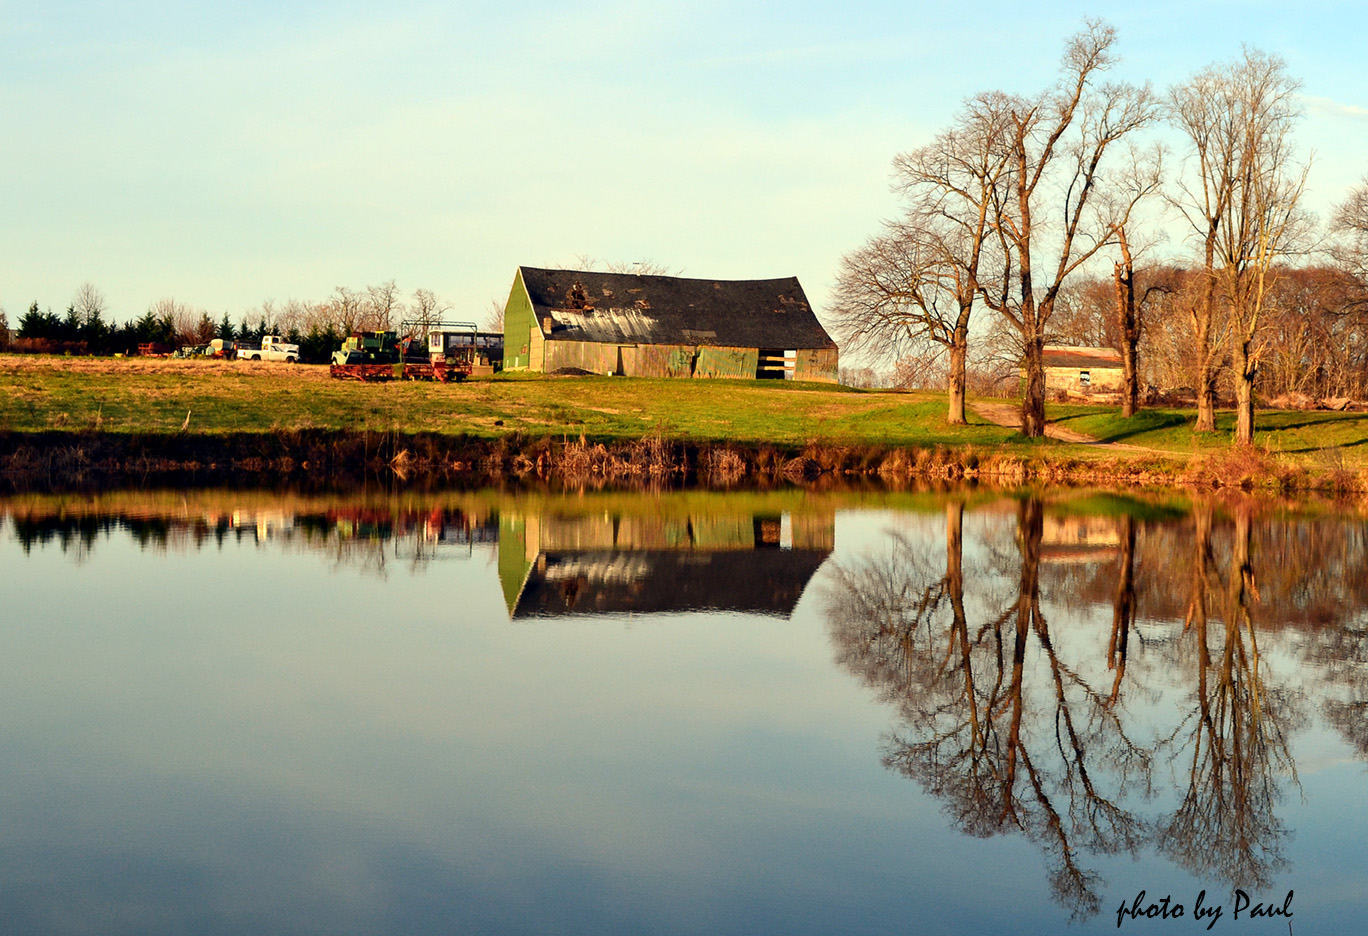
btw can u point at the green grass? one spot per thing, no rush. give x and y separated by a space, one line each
142 396
1299 435
134 396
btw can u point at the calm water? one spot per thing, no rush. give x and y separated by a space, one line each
689 713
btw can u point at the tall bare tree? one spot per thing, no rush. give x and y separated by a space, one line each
1350 249
426 308
382 305
89 303
347 309
1126 193
913 288
182 320
1056 144
1241 200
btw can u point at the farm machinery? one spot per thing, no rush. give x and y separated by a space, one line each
447 354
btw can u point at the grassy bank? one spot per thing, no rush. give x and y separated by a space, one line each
156 396
155 416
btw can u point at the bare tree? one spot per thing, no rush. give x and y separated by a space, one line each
89 303
261 320
183 320
1139 182
382 306
1056 145
647 267
1316 319
426 308
1349 224
909 292
290 317
347 310
494 316
1243 204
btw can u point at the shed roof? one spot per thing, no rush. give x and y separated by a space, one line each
1070 356
626 308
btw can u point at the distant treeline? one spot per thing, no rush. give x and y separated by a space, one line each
42 332
318 327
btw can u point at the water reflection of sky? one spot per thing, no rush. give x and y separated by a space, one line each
267 736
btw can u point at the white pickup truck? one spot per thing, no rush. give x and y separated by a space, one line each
273 348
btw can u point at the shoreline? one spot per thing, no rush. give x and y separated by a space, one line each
59 457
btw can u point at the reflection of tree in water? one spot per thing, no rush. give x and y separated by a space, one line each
1233 745
1006 745
1011 735
366 540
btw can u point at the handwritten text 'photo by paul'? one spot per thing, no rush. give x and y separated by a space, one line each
1244 906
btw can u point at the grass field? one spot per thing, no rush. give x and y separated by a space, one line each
158 396
1298 435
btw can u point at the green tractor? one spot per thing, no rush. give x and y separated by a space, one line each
368 356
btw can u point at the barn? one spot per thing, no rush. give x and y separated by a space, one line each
603 562
664 326
1082 371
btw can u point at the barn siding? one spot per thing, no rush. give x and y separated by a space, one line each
584 355
819 364
727 362
536 344
1103 379
518 322
658 360
668 360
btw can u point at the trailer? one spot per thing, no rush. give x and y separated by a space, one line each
450 351
440 351
480 354
366 356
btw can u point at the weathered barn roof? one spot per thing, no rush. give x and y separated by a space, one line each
629 309
753 581
1068 356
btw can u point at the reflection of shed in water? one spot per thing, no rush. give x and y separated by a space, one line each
604 563
1072 539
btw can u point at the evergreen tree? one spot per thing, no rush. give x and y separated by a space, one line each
70 327
33 324
166 329
147 329
94 331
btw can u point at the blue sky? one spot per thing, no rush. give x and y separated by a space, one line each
228 154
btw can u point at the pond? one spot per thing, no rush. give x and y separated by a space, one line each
763 712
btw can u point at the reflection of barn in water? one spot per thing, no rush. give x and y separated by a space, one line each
636 564
1070 539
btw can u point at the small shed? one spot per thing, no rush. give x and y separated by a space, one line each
1080 370
664 326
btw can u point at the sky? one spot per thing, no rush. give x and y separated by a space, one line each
227 154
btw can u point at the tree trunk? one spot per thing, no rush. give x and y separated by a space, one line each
1030 524
1124 277
1244 395
1206 373
1123 609
959 352
1130 392
954 557
1033 397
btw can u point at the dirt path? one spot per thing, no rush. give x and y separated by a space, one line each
1008 415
